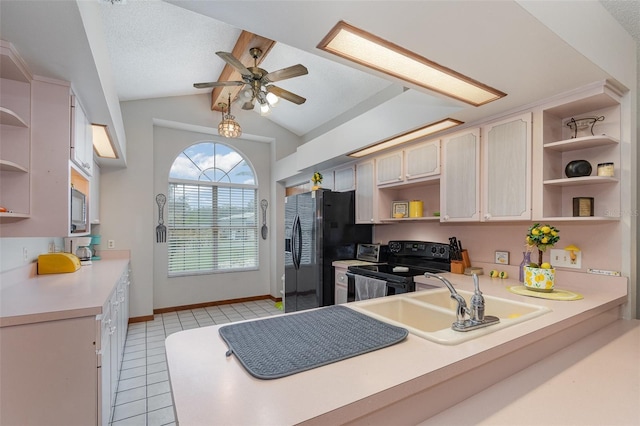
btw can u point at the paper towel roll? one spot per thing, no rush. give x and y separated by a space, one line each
415 208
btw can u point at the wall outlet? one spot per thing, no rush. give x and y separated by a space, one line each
111 244
25 255
562 259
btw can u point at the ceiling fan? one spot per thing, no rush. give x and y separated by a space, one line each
259 81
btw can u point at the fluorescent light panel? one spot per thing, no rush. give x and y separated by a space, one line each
429 129
366 49
102 143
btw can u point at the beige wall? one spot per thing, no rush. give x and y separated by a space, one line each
128 212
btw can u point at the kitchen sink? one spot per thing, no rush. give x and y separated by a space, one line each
429 314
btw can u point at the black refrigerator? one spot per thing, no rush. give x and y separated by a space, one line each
319 228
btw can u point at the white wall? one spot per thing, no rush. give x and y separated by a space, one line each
179 291
128 213
12 250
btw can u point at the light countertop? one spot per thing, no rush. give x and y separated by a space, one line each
207 385
595 381
26 297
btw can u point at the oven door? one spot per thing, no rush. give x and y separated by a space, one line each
393 287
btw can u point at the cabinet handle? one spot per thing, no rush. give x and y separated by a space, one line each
445 218
112 330
487 216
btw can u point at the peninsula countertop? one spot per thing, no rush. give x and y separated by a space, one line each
26 297
207 385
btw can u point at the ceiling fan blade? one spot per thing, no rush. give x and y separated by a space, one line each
290 72
231 60
218 84
285 94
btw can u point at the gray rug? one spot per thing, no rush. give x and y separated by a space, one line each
280 346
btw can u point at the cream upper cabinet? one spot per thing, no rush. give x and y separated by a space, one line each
460 183
81 138
389 168
422 160
366 195
344 179
412 164
506 169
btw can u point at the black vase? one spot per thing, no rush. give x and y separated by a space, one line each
577 168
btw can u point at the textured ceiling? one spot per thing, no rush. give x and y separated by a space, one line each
158 49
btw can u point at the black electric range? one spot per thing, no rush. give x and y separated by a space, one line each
407 259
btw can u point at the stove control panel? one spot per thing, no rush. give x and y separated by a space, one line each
425 249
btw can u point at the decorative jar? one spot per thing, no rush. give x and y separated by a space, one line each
539 279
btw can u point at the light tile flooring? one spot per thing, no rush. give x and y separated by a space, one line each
144 395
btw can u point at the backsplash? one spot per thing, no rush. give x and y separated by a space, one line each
599 243
17 252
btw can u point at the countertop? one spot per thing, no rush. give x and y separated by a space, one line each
595 381
26 297
208 385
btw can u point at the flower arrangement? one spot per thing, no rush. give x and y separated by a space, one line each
541 237
317 178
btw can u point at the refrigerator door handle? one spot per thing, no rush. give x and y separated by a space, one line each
297 237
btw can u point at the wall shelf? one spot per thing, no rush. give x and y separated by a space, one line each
581 143
8 166
586 180
10 118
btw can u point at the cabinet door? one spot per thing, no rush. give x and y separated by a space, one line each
422 160
344 179
389 169
460 182
81 139
341 286
94 195
365 194
506 186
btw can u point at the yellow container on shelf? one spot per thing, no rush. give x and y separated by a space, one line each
415 208
57 263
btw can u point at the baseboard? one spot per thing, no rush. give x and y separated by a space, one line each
216 303
141 319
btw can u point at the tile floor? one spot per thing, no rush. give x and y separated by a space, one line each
144 395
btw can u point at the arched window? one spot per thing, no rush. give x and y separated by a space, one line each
212 211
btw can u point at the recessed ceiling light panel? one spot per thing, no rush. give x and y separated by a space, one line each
412 135
366 49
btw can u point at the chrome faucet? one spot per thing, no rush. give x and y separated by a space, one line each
477 318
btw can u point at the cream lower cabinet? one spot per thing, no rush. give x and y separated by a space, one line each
506 169
341 287
460 180
64 372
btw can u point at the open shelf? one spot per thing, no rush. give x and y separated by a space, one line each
10 118
15 216
581 143
8 166
592 219
411 219
585 180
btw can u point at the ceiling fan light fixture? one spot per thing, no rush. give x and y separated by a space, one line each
371 51
228 127
265 108
272 99
427 130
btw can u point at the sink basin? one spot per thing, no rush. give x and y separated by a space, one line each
410 314
498 307
429 314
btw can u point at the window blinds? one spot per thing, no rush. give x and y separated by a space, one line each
211 228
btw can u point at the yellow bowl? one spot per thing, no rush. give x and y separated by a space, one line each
398 215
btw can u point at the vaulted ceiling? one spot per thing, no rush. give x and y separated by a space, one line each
160 48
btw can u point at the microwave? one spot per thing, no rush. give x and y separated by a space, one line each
78 211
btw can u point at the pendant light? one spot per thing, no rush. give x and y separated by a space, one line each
228 127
